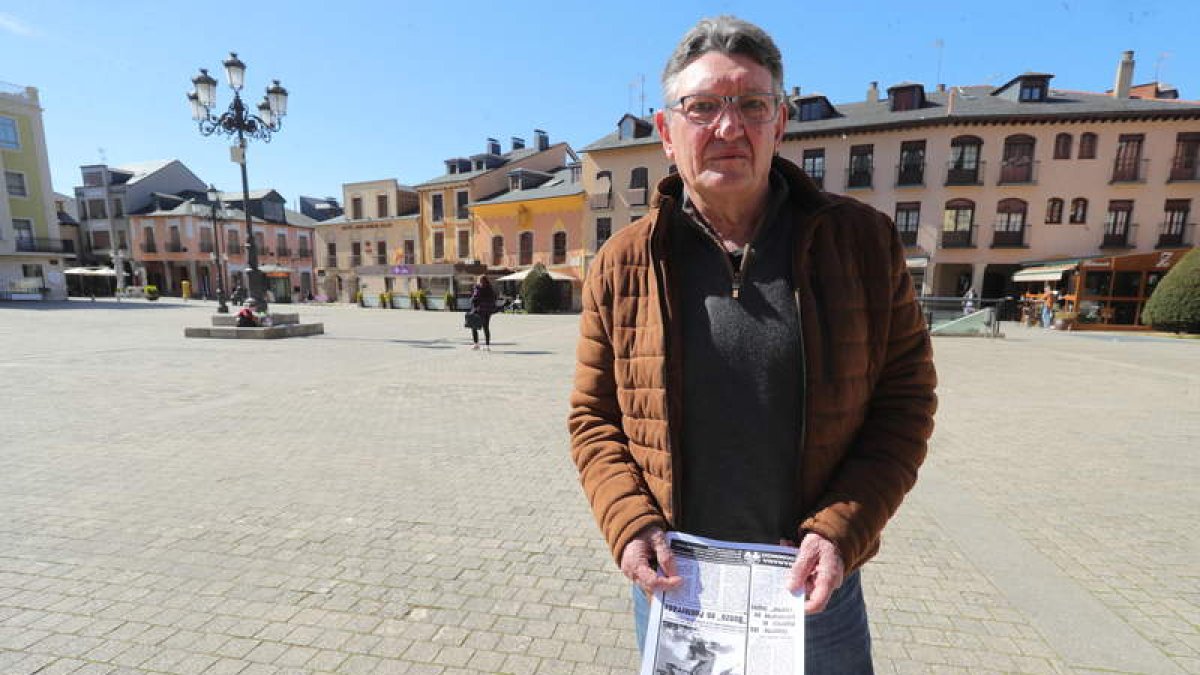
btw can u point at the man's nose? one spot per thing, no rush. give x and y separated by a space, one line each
729 123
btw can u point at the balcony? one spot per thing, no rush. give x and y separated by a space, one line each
958 238
149 247
283 252
1020 171
356 261
858 178
600 201
1129 171
908 237
636 196
1003 238
37 245
233 248
175 247
304 253
910 175
958 173
206 247
1184 173
1174 235
1114 238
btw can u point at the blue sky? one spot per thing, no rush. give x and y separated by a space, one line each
390 89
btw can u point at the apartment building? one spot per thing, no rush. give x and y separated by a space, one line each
538 219
182 237
982 181
32 255
361 249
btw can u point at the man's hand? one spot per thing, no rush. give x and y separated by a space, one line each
642 554
818 569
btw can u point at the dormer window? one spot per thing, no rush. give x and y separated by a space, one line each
811 108
1033 90
632 127
906 97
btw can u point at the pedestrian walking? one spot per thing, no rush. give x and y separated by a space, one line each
483 306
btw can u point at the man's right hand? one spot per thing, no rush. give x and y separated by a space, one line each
648 550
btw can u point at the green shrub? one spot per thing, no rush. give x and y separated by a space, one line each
538 292
450 300
1175 305
385 300
150 292
417 299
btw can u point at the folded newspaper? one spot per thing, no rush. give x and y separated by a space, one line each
733 614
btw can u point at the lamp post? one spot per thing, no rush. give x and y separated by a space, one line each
240 122
214 201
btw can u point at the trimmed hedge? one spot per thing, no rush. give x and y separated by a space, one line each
538 293
1175 305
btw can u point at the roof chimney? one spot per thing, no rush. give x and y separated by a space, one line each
518 143
873 93
796 92
1124 76
543 139
941 88
493 146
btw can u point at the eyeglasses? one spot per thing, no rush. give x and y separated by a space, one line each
706 108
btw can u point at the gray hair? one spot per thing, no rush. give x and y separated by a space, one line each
727 35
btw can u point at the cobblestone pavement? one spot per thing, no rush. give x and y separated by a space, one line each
381 499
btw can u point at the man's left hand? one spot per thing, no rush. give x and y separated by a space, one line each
818 570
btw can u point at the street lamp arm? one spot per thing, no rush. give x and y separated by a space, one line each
239 119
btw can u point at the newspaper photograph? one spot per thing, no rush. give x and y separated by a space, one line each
732 615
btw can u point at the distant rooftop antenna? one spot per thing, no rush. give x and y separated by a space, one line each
939 44
1158 63
640 84
103 156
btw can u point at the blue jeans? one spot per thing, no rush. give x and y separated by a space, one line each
836 641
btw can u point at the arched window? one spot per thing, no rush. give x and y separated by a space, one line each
526 249
1062 146
1087 146
958 221
1079 210
1054 210
639 186
559 249
497 250
1017 164
964 167
1010 223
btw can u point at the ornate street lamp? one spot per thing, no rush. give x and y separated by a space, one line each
240 122
214 200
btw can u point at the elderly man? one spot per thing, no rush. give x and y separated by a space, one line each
752 364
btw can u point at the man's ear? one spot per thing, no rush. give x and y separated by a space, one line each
660 123
781 121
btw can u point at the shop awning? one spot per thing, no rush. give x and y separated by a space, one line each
1042 273
93 271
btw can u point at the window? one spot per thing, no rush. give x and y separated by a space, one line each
23 230
525 254
122 243
1117 222
560 248
1017 166
356 210
233 242
639 183
957 222
1186 163
437 208
206 240
259 239
96 209
381 253
281 245
32 271
148 245
410 252
1176 213
814 165
861 159
381 206
812 109
908 221
912 163
1128 164
100 240
118 207
964 168
1078 210
15 183
355 253
9 140
497 250
1062 146
1087 146
439 245
1010 223
464 244
1054 210
93 178
304 252
1033 90
460 202
603 231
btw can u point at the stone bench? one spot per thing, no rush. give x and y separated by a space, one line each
260 333
276 319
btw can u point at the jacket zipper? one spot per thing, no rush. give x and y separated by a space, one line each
804 396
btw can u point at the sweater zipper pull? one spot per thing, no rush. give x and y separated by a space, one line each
737 283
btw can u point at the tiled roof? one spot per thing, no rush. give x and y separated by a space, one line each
559 185
508 157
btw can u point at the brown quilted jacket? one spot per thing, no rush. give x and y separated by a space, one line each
869 375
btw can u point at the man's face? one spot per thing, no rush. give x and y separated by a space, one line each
727 159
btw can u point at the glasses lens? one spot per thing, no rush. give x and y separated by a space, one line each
756 108
706 108
701 108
